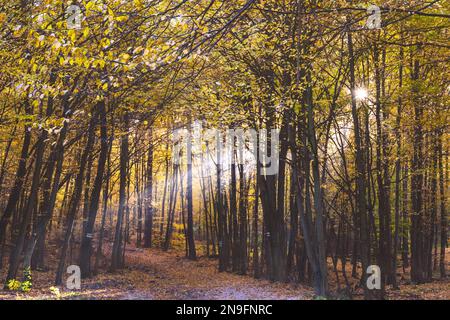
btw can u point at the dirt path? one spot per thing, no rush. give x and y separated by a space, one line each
162 275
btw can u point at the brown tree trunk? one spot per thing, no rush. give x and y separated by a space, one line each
190 211
417 263
398 170
117 259
148 223
88 234
361 203
443 212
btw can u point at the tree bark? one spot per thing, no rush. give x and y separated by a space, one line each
86 240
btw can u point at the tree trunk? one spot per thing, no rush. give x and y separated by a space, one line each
361 203
86 240
74 202
190 214
117 260
148 191
417 265
444 239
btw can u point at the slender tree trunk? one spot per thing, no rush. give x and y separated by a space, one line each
190 214
444 239
117 260
384 258
172 206
242 222
398 170
105 206
320 277
361 203
417 265
256 271
405 218
221 216
161 227
88 234
233 211
148 226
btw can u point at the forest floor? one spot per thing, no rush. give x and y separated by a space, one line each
437 289
152 274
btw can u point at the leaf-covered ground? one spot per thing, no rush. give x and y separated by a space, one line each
152 274
437 289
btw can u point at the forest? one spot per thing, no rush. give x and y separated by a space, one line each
224 149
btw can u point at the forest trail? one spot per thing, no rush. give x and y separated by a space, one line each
152 274
155 274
